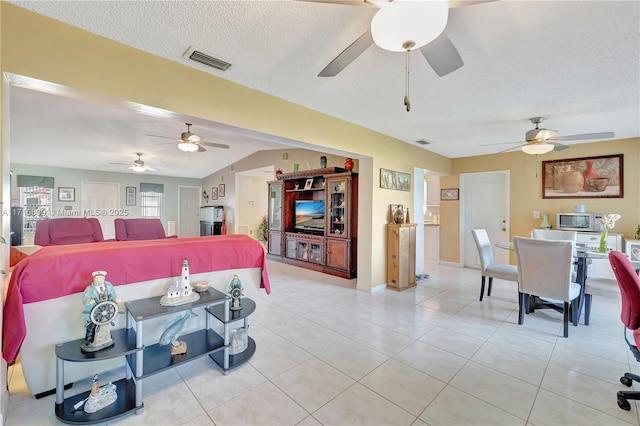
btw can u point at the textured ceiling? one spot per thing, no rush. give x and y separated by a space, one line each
575 62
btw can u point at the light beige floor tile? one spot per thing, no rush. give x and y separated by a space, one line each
201 420
313 383
517 340
277 356
353 359
451 341
436 362
454 407
552 409
309 421
359 405
501 390
265 404
511 363
601 368
403 385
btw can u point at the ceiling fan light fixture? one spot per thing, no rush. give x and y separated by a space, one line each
187 146
537 148
409 22
138 168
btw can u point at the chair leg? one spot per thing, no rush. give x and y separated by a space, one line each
574 310
566 319
482 288
587 308
523 299
490 285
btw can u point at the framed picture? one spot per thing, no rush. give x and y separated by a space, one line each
308 184
450 194
214 193
390 179
221 190
586 177
633 250
131 196
392 211
66 194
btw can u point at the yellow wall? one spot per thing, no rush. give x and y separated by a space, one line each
41 48
526 191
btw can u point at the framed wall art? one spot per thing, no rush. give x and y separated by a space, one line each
221 190
214 193
633 250
450 194
399 181
586 177
66 194
131 196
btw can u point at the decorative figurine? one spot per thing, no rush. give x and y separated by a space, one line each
239 341
235 291
173 330
100 309
181 292
100 396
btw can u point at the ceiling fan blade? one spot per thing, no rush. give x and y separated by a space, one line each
215 145
460 3
201 148
348 55
509 149
558 146
442 55
122 164
501 143
163 137
586 136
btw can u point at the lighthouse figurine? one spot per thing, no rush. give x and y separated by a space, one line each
180 292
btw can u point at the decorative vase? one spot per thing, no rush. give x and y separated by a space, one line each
223 228
398 216
545 222
406 217
602 248
571 181
589 173
279 171
348 164
323 162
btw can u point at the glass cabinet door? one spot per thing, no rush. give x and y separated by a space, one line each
315 252
275 206
337 206
302 250
291 248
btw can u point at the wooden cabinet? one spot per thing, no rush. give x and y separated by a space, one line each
401 256
313 218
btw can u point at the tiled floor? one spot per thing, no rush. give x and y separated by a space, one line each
328 354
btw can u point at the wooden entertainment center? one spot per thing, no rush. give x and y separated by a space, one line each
313 220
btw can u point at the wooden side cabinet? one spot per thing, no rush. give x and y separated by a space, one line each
401 256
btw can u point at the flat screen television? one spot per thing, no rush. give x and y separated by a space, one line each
309 215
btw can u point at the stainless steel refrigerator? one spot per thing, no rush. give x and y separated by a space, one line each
211 220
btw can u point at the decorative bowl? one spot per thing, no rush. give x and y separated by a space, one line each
598 184
200 286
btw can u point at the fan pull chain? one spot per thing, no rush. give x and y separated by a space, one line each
407 103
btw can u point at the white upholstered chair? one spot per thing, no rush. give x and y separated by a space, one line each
544 270
489 268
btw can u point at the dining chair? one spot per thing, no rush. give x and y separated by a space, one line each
629 285
544 276
559 234
487 265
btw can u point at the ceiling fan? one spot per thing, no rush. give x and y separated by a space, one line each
541 141
402 26
190 142
138 165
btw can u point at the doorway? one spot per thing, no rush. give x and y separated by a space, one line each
485 204
99 198
188 211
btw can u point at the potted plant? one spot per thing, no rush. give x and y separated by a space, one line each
263 230
638 233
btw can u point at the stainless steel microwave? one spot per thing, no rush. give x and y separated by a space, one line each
579 221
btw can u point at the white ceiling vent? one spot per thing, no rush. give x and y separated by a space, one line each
423 142
197 55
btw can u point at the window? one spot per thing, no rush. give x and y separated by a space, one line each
151 199
37 205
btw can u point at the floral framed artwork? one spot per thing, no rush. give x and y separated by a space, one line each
66 194
221 190
390 179
586 177
214 193
633 250
450 194
131 196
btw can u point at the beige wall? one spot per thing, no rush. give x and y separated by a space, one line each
41 48
526 190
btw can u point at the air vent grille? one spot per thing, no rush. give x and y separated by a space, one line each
423 142
208 60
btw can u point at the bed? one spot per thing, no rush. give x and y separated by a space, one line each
43 304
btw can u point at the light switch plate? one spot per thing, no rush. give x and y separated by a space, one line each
536 214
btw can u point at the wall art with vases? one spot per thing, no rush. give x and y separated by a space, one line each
587 177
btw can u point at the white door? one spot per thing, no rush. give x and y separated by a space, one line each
485 204
189 211
102 201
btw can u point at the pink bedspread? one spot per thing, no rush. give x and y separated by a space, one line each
56 271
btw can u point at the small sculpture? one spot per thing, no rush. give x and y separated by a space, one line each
235 291
181 292
100 309
173 330
100 396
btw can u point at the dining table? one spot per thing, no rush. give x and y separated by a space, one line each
583 257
